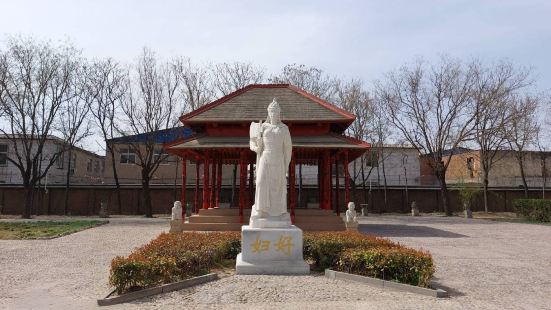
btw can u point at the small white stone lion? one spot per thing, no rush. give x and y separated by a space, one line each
177 211
351 215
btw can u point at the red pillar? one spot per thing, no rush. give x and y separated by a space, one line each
218 182
206 181
337 181
346 179
242 183
326 180
213 182
196 200
320 183
292 191
250 197
183 198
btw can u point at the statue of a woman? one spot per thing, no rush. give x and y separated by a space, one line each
272 143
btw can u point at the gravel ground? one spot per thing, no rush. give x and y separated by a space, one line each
483 264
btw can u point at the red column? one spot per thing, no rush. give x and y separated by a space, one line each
292 191
346 179
250 197
218 182
206 181
196 201
326 182
320 183
183 198
213 182
337 181
242 183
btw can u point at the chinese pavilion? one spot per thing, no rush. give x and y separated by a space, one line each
221 137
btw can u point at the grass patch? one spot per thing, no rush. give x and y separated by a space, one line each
44 229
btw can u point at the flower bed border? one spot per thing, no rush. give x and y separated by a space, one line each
383 284
165 288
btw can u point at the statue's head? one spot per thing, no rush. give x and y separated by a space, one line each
274 116
351 206
177 204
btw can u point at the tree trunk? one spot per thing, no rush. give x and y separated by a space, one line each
116 177
67 184
146 196
353 182
485 189
384 180
28 200
366 194
444 191
523 176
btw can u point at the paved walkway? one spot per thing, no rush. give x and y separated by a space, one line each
483 264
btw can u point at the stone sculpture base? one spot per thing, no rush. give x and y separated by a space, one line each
351 226
176 225
282 221
271 251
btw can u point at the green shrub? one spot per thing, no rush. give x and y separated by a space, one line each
395 264
174 257
534 209
324 248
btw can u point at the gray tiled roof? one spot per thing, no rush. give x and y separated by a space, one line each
251 105
326 141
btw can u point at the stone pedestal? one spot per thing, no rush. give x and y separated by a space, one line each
176 225
351 226
271 251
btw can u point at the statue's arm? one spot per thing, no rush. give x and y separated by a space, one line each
287 148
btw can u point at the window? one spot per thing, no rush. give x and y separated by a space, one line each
164 157
89 165
96 166
3 154
372 159
128 156
73 163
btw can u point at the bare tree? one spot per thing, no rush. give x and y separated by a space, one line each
523 130
229 77
197 84
352 97
311 79
35 83
107 86
430 107
73 123
150 106
493 88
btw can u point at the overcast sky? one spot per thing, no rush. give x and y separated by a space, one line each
350 39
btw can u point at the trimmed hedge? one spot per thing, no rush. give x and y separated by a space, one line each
533 209
174 257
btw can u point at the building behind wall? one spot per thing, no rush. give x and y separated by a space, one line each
86 167
401 166
465 167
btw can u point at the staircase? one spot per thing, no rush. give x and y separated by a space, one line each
228 220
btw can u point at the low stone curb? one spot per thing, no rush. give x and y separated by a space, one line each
336 275
157 290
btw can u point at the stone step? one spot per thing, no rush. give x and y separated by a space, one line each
212 227
214 219
237 227
235 211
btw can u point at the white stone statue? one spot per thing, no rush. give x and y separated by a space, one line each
271 141
351 215
177 211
